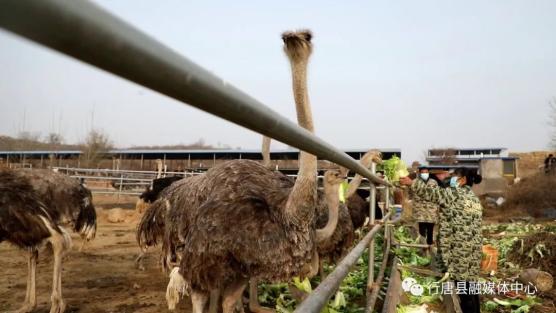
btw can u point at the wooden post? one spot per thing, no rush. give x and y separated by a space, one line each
394 291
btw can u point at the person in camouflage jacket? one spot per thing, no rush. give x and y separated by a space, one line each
425 212
459 238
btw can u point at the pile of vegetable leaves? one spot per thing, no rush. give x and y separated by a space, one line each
413 256
518 245
350 297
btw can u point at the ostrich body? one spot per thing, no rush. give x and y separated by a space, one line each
242 220
31 215
69 201
246 232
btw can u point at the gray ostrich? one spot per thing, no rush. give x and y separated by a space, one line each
33 207
242 220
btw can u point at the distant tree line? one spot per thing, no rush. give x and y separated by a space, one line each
199 144
94 147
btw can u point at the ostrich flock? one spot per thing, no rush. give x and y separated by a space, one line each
238 223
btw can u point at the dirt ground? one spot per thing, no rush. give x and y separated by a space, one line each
102 278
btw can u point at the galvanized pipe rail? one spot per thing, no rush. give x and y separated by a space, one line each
88 33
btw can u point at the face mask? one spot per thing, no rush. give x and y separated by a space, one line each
454 182
424 176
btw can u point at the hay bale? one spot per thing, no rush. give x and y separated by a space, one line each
116 215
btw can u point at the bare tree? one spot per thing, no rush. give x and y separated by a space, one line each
96 145
54 140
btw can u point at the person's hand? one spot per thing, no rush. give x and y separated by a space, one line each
406 181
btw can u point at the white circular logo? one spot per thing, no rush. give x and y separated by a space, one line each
416 290
409 284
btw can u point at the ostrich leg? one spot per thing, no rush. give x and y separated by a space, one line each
231 295
254 305
139 260
214 301
60 244
198 300
30 295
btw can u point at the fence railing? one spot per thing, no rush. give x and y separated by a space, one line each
88 33
117 182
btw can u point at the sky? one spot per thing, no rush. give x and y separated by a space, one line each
410 75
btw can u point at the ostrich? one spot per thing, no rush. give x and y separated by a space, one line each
242 220
349 218
33 205
150 229
152 192
70 201
357 206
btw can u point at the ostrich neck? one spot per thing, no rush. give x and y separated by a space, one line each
307 162
301 96
332 202
302 200
356 181
353 185
266 151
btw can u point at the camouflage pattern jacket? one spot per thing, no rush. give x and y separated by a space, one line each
423 210
459 238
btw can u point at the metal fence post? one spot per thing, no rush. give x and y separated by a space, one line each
386 210
372 207
121 185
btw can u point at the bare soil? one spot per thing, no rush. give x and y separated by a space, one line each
102 278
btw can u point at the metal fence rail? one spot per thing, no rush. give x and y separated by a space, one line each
123 182
105 41
88 33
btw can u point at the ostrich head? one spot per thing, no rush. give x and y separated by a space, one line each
332 181
297 45
372 156
334 177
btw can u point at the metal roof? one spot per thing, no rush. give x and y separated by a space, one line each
181 152
469 149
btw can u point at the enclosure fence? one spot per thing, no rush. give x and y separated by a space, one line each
88 33
118 182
